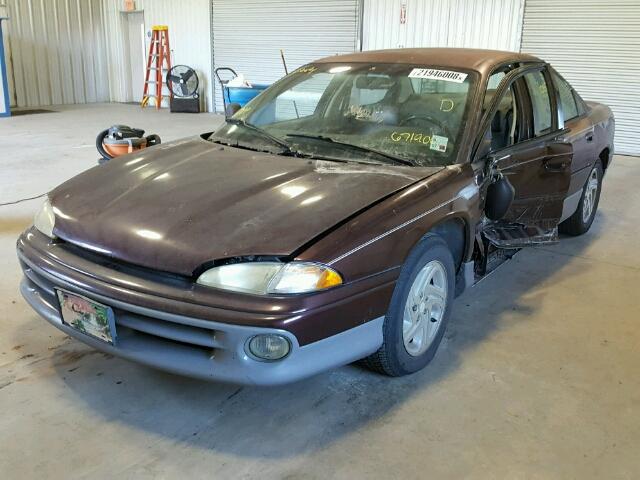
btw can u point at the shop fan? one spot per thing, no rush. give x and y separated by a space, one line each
182 81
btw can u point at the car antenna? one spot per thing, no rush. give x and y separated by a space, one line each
286 72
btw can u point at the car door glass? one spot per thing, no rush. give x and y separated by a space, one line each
567 100
504 124
540 102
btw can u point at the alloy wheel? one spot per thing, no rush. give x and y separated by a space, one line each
424 308
590 196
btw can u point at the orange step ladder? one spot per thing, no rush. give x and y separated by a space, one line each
159 62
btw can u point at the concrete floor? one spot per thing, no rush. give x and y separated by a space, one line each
538 376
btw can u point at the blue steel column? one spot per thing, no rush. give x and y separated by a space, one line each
3 76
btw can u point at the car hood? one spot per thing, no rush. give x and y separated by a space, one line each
177 206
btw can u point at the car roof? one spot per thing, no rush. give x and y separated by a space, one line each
483 61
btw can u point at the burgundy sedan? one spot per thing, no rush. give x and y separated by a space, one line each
332 219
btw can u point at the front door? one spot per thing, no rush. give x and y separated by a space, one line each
528 150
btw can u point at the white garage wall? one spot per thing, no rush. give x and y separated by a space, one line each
52 52
597 51
493 24
189 38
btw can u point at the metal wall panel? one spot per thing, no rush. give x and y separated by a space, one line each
595 45
426 24
54 52
493 24
189 36
248 34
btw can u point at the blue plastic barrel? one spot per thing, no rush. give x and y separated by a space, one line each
242 95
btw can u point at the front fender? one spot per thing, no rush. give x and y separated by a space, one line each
382 237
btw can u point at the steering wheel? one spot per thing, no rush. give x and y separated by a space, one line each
427 119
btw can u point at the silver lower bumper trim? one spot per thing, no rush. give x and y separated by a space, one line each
228 361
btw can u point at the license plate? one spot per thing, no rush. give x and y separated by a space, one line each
86 316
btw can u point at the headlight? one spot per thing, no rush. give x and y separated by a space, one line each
45 219
271 277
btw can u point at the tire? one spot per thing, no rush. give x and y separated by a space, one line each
580 222
431 262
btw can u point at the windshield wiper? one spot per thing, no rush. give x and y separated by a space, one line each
281 143
389 156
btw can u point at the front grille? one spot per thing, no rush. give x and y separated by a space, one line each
185 334
166 278
130 323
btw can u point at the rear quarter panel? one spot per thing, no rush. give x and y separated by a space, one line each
596 122
604 127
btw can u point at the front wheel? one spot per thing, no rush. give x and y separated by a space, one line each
581 220
419 310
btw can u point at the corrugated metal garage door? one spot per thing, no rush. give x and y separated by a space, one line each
248 35
596 46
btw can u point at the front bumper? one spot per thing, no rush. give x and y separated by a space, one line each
201 348
188 344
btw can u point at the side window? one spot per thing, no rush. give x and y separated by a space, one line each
495 79
540 102
567 100
582 108
492 85
504 124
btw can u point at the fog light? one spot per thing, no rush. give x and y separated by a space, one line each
269 347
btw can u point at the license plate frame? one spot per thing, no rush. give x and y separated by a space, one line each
87 316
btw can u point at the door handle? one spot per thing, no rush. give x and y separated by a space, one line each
589 136
555 164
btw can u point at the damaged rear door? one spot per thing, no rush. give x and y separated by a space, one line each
527 153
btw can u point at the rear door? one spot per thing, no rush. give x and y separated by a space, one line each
580 132
529 150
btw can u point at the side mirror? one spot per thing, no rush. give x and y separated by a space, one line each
232 108
500 195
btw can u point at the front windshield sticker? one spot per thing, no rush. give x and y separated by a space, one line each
438 143
433 74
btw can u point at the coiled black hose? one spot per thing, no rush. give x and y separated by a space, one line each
99 139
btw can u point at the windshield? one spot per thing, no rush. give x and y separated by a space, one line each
388 113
